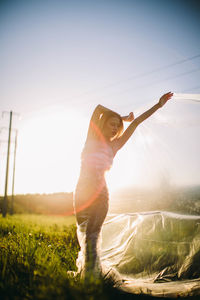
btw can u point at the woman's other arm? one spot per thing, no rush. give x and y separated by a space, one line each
128 118
131 128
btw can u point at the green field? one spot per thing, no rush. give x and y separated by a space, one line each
35 254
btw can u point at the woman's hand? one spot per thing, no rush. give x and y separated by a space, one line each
129 118
165 98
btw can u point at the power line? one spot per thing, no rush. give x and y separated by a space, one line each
191 89
162 80
149 84
165 79
107 86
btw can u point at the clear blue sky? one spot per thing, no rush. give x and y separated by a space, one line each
72 55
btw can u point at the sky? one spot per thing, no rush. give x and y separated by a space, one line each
59 59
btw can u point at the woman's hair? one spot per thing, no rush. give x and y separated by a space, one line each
104 117
97 127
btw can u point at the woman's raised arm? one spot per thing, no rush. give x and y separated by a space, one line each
94 121
97 112
131 128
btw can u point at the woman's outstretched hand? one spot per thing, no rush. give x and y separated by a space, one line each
129 118
165 98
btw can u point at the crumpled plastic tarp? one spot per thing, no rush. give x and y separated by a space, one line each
155 253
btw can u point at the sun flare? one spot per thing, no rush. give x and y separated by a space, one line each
49 148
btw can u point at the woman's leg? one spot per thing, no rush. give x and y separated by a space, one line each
89 224
96 218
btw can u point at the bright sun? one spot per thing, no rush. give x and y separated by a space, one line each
49 148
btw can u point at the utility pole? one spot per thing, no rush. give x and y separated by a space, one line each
13 179
5 199
3 141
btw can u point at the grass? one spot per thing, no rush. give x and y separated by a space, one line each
35 254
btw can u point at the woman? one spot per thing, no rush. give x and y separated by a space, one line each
105 137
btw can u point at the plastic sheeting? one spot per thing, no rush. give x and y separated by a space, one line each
156 253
